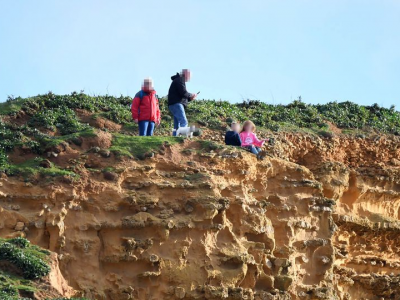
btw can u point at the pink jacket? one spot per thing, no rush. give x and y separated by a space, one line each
249 139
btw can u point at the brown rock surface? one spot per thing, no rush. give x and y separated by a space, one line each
318 220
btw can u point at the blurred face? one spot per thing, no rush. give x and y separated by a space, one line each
248 128
186 74
148 84
235 127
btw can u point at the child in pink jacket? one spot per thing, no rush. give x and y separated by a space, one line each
249 138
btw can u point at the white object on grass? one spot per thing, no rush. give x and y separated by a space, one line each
186 131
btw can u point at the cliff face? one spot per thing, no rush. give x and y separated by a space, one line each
318 219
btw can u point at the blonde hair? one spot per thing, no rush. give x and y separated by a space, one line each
248 122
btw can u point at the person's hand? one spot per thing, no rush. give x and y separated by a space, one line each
193 96
158 122
136 121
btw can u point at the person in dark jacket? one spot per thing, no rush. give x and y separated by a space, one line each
232 137
145 109
178 98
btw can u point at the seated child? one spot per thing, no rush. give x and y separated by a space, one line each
232 137
249 139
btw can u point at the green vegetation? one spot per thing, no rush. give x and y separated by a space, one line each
210 145
11 287
33 140
32 167
27 258
114 108
57 112
12 106
30 261
50 120
51 141
139 146
63 119
345 115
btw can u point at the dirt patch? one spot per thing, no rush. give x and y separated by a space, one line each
19 156
66 158
19 119
333 128
102 123
97 121
10 268
102 139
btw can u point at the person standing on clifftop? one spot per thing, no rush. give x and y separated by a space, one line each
145 109
178 98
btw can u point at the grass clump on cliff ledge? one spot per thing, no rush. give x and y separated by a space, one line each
32 167
21 263
138 146
29 259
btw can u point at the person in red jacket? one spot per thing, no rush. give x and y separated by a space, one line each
145 109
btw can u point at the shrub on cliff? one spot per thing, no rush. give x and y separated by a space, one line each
26 258
48 110
3 161
21 258
64 119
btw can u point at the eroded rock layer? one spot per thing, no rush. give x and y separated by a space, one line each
217 224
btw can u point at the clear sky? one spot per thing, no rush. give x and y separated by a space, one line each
273 51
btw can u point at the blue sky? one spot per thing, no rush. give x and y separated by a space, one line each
237 49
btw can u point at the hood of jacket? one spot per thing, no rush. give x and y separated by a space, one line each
177 75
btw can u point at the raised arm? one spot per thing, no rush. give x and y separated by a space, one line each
257 142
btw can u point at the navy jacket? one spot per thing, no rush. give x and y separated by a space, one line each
232 138
177 91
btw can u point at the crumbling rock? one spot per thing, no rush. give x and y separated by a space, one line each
220 224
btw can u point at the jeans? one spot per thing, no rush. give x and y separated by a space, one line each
178 111
253 149
146 128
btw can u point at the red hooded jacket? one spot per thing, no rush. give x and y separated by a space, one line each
147 108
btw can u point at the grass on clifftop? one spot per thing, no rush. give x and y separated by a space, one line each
58 112
11 106
139 146
45 121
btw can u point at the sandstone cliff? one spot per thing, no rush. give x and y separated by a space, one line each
317 219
